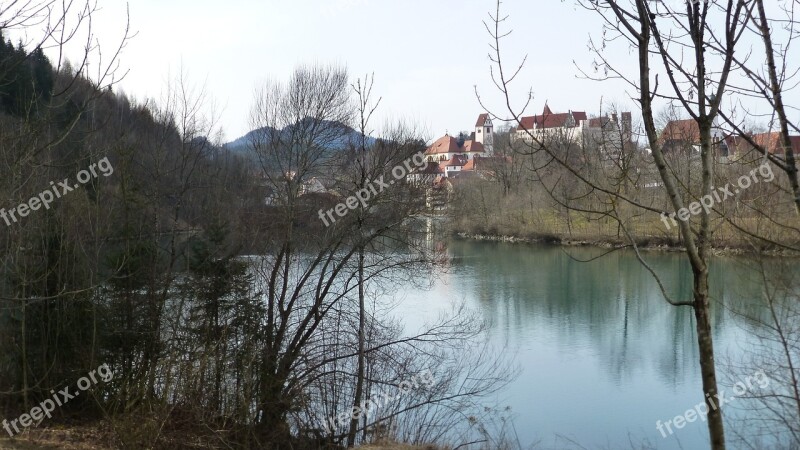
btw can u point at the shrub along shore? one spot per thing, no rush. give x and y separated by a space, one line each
580 233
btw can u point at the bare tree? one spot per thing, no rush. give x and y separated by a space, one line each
661 38
44 119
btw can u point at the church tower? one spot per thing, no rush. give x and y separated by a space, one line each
484 133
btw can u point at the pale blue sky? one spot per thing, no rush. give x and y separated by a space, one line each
427 55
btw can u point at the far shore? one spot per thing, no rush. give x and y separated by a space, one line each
644 244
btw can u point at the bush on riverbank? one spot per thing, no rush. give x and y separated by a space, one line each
481 210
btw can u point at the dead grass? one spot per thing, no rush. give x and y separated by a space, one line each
648 230
390 446
71 439
84 438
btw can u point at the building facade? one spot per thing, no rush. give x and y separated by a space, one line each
453 154
607 133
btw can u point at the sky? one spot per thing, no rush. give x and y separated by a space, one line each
427 56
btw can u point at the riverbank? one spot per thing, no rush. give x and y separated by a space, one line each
656 244
90 437
73 438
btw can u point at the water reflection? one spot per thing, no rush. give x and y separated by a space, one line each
603 354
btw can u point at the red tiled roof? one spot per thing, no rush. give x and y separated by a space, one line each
732 141
681 130
449 144
688 131
474 146
445 144
549 120
458 160
432 168
526 123
773 142
481 120
477 161
769 141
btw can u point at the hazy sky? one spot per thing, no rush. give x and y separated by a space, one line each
427 55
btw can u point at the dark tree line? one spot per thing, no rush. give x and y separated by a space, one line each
203 277
26 79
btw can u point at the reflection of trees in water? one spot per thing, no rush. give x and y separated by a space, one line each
767 415
611 304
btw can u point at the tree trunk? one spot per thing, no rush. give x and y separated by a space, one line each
351 436
274 407
707 368
780 110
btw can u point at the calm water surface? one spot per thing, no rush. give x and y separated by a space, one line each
603 356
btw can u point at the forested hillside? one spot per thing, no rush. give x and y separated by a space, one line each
192 291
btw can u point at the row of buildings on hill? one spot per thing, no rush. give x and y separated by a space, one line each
683 136
607 133
463 156
451 156
474 155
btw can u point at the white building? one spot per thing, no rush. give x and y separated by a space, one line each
484 133
608 133
548 125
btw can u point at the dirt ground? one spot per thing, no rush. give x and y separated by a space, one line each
50 439
87 440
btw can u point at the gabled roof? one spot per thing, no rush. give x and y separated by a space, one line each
549 120
445 144
482 119
458 161
579 115
681 130
474 146
433 168
481 163
773 142
449 144
688 131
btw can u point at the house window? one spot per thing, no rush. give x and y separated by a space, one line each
479 131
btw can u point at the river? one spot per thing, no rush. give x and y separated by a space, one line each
603 357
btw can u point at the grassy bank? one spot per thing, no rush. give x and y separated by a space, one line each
510 220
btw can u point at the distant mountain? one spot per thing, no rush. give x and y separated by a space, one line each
203 142
241 143
348 135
